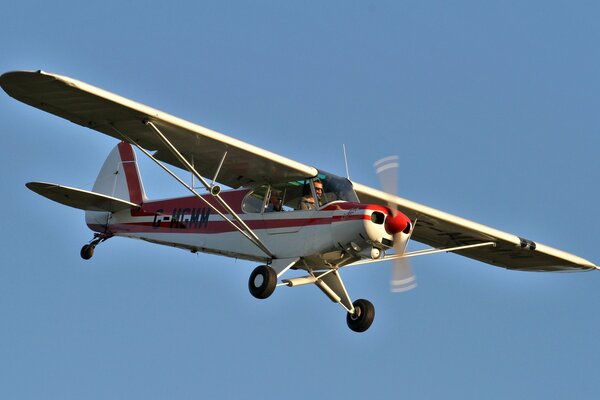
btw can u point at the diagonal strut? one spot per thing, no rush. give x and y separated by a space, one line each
244 229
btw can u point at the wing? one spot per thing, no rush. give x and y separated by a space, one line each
103 111
442 230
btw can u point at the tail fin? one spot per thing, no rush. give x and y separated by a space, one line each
120 178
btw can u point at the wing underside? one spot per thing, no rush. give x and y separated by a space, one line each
109 113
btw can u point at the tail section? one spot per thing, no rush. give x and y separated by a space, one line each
119 178
117 188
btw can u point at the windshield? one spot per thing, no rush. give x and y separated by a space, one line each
335 188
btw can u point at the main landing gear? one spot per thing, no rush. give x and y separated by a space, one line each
262 282
360 313
87 251
363 316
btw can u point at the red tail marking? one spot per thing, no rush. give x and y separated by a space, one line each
131 173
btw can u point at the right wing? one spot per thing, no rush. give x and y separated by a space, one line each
103 111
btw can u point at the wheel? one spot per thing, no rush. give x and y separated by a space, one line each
364 314
262 282
87 251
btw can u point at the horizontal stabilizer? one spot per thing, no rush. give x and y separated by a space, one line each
78 198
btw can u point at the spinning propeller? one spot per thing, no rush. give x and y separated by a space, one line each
402 277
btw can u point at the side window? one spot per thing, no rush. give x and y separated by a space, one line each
254 201
297 194
276 201
287 196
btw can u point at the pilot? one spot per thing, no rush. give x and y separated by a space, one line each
308 202
275 203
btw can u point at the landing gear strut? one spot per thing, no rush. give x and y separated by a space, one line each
362 318
87 251
262 282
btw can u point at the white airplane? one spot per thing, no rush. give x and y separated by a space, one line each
280 213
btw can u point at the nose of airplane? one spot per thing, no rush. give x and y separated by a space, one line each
397 223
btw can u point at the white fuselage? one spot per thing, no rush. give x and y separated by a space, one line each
188 223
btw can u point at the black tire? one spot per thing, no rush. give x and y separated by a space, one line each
87 251
364 314
262 282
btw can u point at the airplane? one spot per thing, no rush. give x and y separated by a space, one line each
284 215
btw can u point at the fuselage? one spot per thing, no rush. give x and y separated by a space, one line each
337 232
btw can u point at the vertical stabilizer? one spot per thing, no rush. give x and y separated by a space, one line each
119 177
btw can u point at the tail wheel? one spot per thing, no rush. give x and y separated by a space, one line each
364 314
262 282
87 251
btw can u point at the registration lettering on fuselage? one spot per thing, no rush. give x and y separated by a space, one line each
182 218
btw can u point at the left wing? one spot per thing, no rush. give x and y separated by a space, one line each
442 230
106 112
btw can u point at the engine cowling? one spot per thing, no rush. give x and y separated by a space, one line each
367 227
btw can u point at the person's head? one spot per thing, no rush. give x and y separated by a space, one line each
319 188
275 196
276 200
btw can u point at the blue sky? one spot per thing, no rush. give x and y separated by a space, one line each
493 109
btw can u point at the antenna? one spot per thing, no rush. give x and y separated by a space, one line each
346 161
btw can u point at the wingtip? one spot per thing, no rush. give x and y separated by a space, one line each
10 80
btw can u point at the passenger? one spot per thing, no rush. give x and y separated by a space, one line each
275 203
308 202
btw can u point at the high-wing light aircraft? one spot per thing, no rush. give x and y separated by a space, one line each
279 213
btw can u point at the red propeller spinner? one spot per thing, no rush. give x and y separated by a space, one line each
397 222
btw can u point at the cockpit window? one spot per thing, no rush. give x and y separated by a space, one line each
335 188
255 200
291 194
302 194
277 198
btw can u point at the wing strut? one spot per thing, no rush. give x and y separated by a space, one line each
214 190
423 252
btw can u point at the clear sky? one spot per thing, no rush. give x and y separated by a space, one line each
492 107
